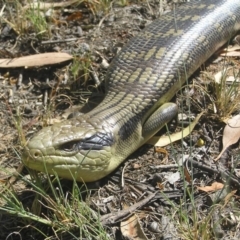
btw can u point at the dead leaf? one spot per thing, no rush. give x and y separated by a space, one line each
136 166
187 175
228 197
164 151
36 60
131 229
231 51
231 54
225 74
219 75
231 134
160 186
214 187
74 16
165 140
232 48
45 5
161 150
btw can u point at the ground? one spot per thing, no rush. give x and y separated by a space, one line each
156 193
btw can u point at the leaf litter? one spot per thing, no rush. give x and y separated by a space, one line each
140 182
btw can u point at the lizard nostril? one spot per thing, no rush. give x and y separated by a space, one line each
36 153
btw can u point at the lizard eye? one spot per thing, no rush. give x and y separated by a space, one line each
95 142
69 146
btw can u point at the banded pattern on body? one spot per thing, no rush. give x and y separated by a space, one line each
140 81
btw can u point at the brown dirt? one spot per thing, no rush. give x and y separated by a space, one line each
36 97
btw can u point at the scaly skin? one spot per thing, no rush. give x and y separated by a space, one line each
140 81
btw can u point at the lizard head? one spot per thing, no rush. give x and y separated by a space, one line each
77 149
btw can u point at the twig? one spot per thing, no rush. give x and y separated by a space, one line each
114 217
60 41
166 166
226 174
